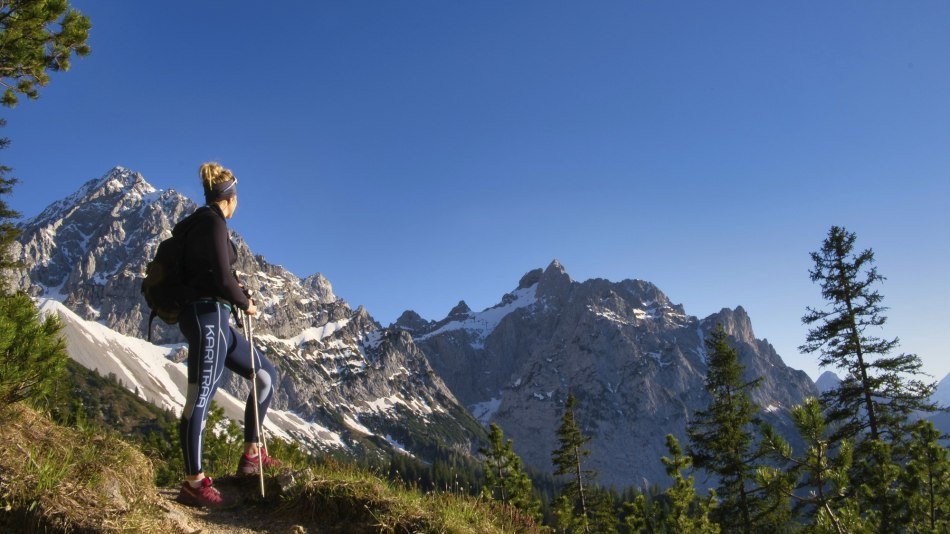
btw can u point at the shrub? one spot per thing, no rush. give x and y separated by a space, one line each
32 352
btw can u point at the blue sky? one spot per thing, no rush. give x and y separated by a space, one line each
419 153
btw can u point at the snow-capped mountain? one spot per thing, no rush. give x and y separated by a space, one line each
338 370
635 361
827 381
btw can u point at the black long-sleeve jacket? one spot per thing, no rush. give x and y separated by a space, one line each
209 255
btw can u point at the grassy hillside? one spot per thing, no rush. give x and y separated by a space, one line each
60 479
56 478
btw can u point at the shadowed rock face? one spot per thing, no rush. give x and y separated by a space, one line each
337 367
634 360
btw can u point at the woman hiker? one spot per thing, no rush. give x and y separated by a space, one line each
212 343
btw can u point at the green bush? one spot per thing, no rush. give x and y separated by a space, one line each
32 352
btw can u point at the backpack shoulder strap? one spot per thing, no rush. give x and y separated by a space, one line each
151 317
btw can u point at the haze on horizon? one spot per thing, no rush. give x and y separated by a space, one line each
422 154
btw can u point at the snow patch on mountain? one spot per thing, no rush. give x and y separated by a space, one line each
318 333
483 323
399 447
311 334
356 425
416 405
610 316
146 369
483 411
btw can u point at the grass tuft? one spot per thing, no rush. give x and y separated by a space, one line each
358 501
54 478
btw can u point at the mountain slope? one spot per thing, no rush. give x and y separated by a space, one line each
152 372
338 371
634 360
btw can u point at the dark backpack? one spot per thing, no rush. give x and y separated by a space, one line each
163 287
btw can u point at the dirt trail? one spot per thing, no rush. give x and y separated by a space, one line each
249 516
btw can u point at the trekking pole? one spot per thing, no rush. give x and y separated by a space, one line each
249 332
260 428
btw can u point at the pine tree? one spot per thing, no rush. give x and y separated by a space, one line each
37 36
640 515
822 472
567 461
505 479
8 230
879 392
722 442
32 353
925 481
683 511
603 513
565 519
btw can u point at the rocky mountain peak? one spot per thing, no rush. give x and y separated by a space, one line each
735 322
635 359
361 313
411 321
555 266
119 188
460 309
827 381
124 177
321 287
530 278
554 281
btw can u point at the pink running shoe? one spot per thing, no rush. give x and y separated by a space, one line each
203 495
252 466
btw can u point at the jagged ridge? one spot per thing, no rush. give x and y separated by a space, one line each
634 359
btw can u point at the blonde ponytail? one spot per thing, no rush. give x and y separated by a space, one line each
218 183
213 173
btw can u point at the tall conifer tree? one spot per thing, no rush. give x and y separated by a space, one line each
879 391
567 461
506 480
32 354
722 442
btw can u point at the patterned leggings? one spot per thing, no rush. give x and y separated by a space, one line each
213 345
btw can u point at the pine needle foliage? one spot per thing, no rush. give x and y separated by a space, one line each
723 442
37 37
878 391
572 508
819 475
505 478
32 353
679 509
684 511
8 229
925 481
